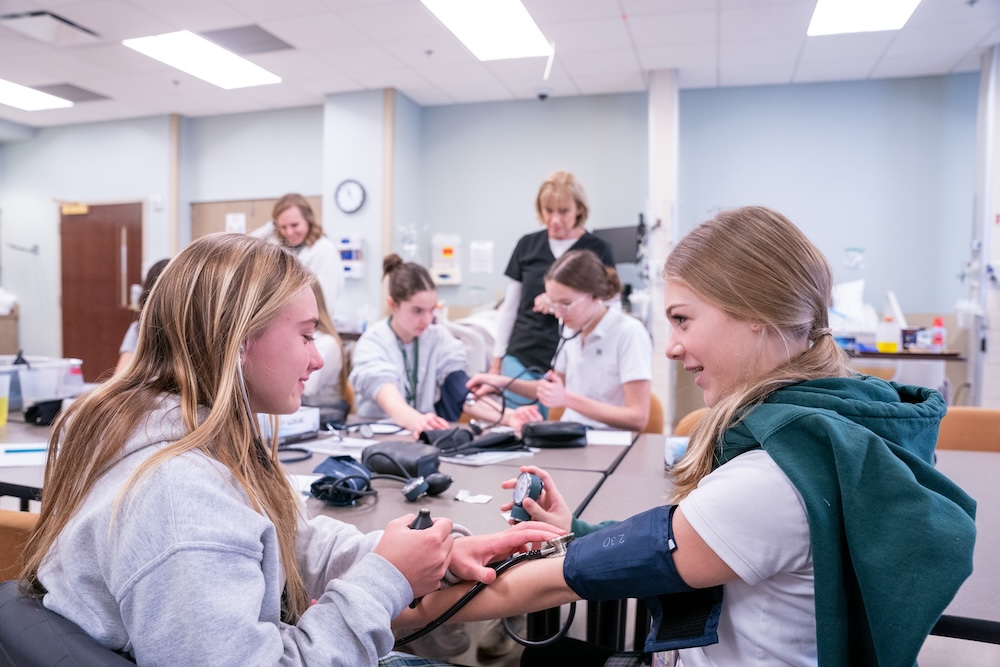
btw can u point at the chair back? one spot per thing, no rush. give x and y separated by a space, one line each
687 424
349 396
33 636
15 529
970 428
655 422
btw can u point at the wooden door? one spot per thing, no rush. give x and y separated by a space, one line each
101 259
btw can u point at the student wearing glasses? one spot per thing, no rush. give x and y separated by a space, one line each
602 363
527 334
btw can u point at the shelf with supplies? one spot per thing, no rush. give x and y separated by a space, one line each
916 355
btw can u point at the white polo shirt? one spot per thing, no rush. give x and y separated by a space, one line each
617 351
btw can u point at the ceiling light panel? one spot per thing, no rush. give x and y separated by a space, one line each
838 17
201 58
492 29
29 99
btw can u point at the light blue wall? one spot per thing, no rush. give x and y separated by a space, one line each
125 161
254 155
407 153
888 166
885 165
354 147
482 165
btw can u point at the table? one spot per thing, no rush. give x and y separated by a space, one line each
24 483
374 513
639 483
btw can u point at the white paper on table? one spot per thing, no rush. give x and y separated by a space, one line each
486 458
602 437
333 448
304 483
23 454
345 443
387 429
464 496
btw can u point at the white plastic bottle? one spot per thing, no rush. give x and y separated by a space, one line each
887 335
939 335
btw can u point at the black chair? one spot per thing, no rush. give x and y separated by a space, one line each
33 636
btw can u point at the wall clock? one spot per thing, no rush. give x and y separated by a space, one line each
349 196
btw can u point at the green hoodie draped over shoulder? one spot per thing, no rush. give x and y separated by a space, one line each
892 537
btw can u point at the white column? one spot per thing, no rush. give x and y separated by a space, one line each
660 218
984 368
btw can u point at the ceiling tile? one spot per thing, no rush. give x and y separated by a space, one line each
315 32
115 20
554 11
602 35
393 21
259 11
361 58
602 46
683 28
195 15
679 56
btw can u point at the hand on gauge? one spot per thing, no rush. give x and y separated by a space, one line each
550 507
551 390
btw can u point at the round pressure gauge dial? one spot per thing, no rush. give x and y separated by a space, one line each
526 486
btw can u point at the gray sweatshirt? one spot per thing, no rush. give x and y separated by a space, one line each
377 361
188 573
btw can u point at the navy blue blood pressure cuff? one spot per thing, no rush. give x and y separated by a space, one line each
453 393
634 559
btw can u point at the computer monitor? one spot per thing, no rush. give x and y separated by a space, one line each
624 242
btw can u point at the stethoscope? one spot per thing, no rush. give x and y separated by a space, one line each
564 339
555 547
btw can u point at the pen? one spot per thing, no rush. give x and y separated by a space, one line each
25 451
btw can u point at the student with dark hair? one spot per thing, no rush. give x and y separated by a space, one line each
131 336
603 362
406 367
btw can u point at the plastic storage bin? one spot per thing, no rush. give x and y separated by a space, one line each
68 370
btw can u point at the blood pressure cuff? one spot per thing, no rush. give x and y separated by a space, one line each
634 559
453 393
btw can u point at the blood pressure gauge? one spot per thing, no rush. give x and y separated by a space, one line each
527 486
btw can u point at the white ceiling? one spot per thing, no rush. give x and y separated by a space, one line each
602 46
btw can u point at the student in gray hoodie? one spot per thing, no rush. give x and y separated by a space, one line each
169 530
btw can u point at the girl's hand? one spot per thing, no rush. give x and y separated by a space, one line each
550 507
422 556
471 554
542 304
427 422
521 416
552 391
483 384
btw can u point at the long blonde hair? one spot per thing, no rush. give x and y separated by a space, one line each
220 291
755 265
325 324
